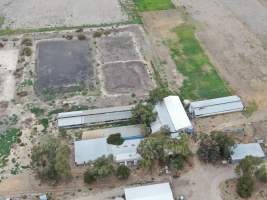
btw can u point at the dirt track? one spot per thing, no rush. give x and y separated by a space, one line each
236 51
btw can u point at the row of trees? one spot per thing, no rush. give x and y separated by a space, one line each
103 167
249 171
50 160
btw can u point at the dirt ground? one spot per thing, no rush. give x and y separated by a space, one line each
236 51
8 62
59 13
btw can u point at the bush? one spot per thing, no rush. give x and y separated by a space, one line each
158 94
115 139
81 37
97 34
89 177
261 174
123 172
26 52
245 186
26 42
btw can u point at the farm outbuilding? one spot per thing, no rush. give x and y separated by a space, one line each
94 117
216 106
171 115
161 191
89 150
240 151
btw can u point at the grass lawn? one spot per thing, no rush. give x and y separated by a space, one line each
7 139
202 80
148 5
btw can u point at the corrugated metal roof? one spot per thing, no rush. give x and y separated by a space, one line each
97 116
216 106
171 113
240 151
90 150
160 191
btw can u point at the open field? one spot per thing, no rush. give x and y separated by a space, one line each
202 81
40 14
236 52
146 5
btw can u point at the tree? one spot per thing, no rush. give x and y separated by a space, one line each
123 172
245 186
89 177
261 174
115 139
209 150
143 114
177 163
102 167
248 166
50 159
225 143
158 94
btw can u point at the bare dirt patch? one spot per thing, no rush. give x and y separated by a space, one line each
125 77
40 14
8 63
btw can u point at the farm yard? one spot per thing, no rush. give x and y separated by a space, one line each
84 55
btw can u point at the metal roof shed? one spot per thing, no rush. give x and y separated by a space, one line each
160 191
240 151
216 106
171 113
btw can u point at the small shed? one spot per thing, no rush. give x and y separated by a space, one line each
161 191
43 197
171 114
216 106
240 151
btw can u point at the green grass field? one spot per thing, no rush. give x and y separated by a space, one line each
7 139
149 5
202 80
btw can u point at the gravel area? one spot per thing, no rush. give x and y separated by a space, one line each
50 13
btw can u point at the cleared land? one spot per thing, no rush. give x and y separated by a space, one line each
40 14
146 5
124 77
63 64
202 81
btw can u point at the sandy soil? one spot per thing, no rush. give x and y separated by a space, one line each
8 63
52 13
237 53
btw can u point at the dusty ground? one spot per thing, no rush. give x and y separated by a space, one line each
236 51
8 62
60 13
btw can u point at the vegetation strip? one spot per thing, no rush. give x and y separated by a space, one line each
150 5
202 80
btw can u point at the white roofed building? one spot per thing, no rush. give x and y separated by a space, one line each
171 114
160 191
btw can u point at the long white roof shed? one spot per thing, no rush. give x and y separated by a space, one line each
216 106
240 151
93 117
171 114
89 150
160 191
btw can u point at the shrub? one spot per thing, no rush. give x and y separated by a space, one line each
26 42
123 172
115 139
245 186
26 52
81 37
97 34
158 94
261 174
89 177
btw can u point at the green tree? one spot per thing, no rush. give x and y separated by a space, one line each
225 143
123 172
158 94
248 166
245 186
144 114
177 163
102 167
50 159
115 139
261 174
209 150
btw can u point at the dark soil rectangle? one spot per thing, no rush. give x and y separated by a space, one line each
129 77
62 65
